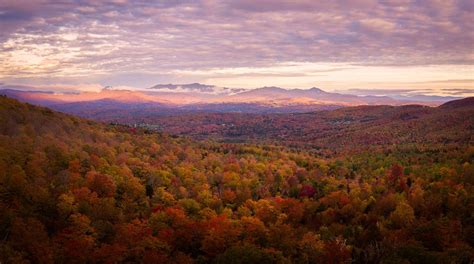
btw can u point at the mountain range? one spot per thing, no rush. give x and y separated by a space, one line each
167 98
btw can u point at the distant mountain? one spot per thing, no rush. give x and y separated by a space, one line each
272 95
310 96
48 98
195 97
33 97
425 98
410 94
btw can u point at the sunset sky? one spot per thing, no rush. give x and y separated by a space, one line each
335 45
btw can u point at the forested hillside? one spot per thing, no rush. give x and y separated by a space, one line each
76 191
341 130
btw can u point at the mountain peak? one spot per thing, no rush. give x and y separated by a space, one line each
315 89
270 88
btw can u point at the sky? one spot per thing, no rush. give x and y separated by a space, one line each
361 46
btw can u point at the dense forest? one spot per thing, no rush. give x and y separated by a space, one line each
77 191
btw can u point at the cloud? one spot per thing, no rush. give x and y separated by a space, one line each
104 40
377 25
59 88
461 92
413 94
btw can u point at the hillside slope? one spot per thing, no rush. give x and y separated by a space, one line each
76 191
349 128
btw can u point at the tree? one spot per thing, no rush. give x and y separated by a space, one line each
403 216
336 251
396 178
100 183
30 236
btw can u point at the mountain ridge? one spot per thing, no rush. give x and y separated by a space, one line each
220 99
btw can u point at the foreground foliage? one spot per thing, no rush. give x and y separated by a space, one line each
74 191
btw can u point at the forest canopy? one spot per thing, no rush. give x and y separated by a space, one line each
77 191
